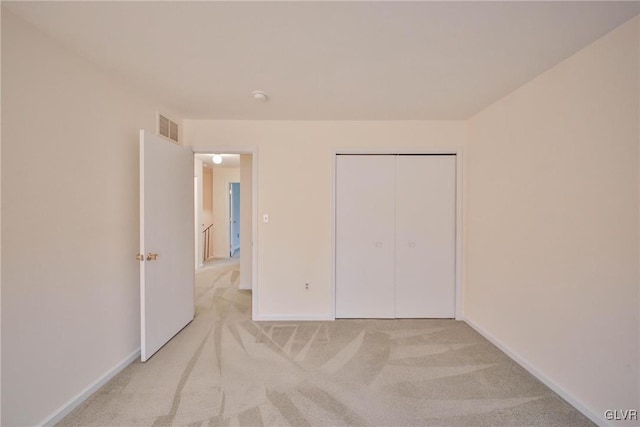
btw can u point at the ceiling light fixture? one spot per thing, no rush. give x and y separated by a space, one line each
259 96
216 158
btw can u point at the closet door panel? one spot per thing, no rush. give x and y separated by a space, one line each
425 236
365 238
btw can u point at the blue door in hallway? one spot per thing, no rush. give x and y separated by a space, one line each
234 218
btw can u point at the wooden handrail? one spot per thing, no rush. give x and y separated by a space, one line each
207 240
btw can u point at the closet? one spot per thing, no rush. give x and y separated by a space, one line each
395 236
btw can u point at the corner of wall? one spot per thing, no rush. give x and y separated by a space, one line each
553 224
531 368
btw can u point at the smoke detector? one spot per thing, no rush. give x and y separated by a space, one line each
259 96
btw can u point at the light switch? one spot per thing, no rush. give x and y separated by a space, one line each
265 218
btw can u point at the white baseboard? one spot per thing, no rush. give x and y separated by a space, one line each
576 403
244 287
65 409
292 317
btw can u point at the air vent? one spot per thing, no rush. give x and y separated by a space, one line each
173 131
167 128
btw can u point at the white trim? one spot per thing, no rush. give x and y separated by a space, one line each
75 401
572 400
244 287
254 233
332 206
294 317
455 150
435 150
459 236
254 200
142 250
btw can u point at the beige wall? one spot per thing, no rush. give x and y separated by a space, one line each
70 290
207 203
246 224
222 176
295 173
207 195
552 223
198 221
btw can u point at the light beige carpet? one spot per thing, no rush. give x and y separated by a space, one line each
225 370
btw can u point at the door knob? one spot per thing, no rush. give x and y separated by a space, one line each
152 256
140 257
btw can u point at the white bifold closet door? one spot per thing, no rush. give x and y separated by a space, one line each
425 236
395 236
365 236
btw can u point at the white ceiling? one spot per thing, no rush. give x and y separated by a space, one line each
326 60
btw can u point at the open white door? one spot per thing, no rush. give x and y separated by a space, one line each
166 241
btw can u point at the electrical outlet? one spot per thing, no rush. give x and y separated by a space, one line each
306 286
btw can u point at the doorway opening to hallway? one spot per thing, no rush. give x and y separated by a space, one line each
223 211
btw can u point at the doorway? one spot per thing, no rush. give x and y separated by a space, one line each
227 221
395 272
405 205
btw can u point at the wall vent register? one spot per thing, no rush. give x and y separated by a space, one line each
167 128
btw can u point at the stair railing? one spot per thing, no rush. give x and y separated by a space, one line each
207 240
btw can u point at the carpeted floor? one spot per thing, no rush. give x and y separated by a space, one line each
224 369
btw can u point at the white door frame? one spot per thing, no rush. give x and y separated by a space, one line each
254 214
457 151
196 220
